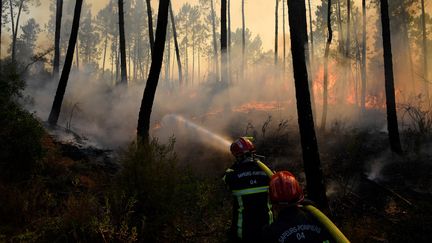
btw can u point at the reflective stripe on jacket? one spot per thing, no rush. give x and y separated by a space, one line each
251 207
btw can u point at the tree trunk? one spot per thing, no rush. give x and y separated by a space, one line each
215 48
310 76
104 53
1 24
357 59
117 59
224 56
347 68
135 60
15 27
155 69
276 33
129 60
199 66
150 24
326 55
229 39
58 100
167 66
224 44
363 60
193 56
340 31
405 30
425 51
112 67
283 32
176 46
311 159
12 18
243 65
312 51
77 53
122 43
186 56
392 122
56 62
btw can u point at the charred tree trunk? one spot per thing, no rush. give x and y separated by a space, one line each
56 62
311 159
1 24
309 67
224 55
215 48
224 44
326 55
243 41
150 24
58 100
392 122
229 32
155 69
176 45
425 51
363 60
276 33
123 71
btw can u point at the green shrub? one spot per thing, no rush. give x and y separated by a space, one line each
20 132
170 202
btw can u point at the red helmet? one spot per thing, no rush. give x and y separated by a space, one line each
242 146
284 189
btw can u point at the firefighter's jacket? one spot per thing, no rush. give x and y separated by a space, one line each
294 224
251 207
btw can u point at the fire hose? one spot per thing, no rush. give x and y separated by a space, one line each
321 217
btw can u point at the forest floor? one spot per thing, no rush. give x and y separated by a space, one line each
375 196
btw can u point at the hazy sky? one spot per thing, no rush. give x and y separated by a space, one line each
259 15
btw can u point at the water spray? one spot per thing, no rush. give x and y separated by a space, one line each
208 137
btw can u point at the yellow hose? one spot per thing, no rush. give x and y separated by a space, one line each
322 218
328 224
265 168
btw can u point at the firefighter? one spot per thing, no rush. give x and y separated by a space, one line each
293 222
248 184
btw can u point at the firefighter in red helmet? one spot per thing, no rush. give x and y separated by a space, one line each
293 223
248 184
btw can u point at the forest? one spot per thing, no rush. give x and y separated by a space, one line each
117 116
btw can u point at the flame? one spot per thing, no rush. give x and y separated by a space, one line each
156 126
374 100
318 84
257 106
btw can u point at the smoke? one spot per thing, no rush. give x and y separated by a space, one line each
374 169
108 114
